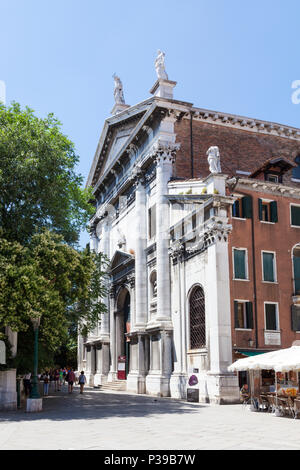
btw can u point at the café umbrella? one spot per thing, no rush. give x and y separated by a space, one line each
282 360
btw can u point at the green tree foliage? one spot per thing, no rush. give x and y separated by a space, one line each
51 280
38 183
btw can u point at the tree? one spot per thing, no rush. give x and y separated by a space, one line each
39 187
50 279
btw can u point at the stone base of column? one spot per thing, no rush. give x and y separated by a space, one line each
112 376
34 405
89 379
100 379
157 385
178 385
223 389
136 383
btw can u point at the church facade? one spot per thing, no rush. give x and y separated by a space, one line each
167 177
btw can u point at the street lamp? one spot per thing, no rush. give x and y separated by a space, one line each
35 389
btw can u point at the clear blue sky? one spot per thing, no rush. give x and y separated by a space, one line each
226 55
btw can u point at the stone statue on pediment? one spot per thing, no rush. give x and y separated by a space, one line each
213 158
160 66
118 90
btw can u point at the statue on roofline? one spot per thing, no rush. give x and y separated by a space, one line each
160 66
118 91
213 158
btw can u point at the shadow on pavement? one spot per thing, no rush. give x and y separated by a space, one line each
95 404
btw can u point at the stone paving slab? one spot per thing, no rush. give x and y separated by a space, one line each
118 420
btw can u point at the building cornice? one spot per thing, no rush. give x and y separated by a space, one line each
268 187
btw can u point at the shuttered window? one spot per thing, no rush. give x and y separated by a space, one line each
243 315
296 263
239 259
295 318
295 216
268 267
271 317
267 211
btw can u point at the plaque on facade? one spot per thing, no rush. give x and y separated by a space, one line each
2 353
193 395
272 338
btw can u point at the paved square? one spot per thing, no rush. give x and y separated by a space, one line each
117 420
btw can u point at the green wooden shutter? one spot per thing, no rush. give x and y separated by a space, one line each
239 264
249 312
260 214
236 314
295 317
296 262
274 212
268 267
295 210
247 207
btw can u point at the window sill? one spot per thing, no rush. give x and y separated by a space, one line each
295 226
267 222
238 218
243 329
270 282
197 351
243 280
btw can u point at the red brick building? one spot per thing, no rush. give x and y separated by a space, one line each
262 158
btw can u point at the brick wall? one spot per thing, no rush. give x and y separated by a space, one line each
240 149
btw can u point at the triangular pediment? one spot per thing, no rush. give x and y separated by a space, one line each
119 259
118 133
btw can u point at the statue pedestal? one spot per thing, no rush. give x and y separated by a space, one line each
34 405
163 88
119 107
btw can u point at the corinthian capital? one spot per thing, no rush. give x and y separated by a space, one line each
163 151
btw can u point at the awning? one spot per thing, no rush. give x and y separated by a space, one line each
250 353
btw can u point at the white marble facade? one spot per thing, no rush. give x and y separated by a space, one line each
164 238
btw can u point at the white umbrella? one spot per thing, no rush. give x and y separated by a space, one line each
282 360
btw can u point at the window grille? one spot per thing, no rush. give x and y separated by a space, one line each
197 319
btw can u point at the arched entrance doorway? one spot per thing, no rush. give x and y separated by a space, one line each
122 328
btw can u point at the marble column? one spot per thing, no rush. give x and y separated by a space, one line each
113 343
160 328
140 255
165 154
222 386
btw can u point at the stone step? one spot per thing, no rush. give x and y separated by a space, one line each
117 386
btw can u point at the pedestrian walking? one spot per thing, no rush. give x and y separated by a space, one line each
61 378
56 380
27 383
71 380
64 375
46 383
82 381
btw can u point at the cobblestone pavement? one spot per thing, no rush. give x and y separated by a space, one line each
117 420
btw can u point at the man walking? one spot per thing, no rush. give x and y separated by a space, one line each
71 379
82 381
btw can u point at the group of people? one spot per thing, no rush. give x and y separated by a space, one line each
58 377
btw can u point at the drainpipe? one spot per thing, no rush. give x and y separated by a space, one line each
191 144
